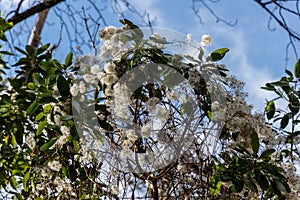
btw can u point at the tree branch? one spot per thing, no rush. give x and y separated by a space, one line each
33 10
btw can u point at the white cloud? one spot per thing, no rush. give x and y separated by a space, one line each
239 64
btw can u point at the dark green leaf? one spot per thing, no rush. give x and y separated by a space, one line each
21 51
237 186
262 181
63 86
255 143
282 185
46 100
218 54
6 53
288 72
42 49
265 154
30 50
251 185
284 121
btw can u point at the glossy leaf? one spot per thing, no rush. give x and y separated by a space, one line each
218 54
265 154
254 143
25 181
41 127
284 121
47 145
32 108
63 86
270 109
297 69
69 59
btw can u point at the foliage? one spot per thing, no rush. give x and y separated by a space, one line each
46 151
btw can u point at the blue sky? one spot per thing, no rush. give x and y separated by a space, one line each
256 55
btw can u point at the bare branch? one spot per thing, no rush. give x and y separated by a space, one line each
33 10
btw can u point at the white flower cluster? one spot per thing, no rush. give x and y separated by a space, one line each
240 119
30 141
63 138
113 46
55 165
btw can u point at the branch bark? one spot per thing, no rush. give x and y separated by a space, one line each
35 35
18 17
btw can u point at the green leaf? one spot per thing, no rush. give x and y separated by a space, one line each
41 127
25 181
294 103
63 86
254 143
39 116
32 108
251 185
69 59
270 110
21 51
13 182
31 85
288 72
46 100
30 50
218 54
282 185
42 49
238 186
265 154
38 80
7 53
262 181
47 145
297 68
284 121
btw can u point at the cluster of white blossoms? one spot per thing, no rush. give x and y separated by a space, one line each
240 119
113 47
55 165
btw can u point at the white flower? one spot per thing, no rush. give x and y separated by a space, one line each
89 79
114 189
206 40
146 130
30 141
54 165
74 89
82 87
109 79
131 135
65 130
95 69
188 38
109 67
